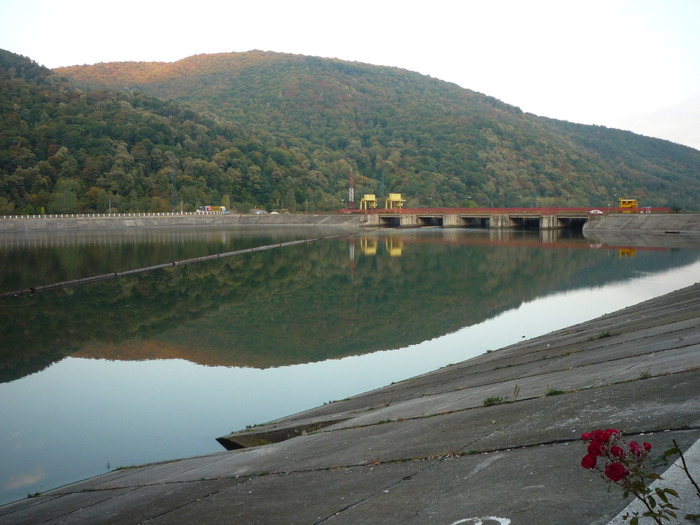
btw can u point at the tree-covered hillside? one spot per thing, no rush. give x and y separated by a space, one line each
284 131
63 150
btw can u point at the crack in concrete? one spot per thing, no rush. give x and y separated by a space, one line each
383 490
457 411
173 509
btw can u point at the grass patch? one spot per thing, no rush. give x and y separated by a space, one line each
506 366
553 391
490 401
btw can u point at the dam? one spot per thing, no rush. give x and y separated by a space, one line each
493 218
655 219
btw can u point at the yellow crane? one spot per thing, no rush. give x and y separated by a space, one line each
368 201
394 201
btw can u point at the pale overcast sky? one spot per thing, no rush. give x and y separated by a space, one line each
630 64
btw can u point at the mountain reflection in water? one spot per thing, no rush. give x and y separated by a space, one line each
311 302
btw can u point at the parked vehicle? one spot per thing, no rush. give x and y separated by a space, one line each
213 209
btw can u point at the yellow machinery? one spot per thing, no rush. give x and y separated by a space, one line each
394 246
628 205
368 201
394 201
368 246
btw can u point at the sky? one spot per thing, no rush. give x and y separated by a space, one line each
628 64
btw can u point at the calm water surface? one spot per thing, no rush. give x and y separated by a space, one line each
156 365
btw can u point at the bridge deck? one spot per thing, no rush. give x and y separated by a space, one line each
494 218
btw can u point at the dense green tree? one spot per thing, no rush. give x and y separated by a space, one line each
290 201
64 199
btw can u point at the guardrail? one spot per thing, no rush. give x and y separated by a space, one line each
111 215
504 211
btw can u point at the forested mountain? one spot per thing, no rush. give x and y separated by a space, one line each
278 130
63 150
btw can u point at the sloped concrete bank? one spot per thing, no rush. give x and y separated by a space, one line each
120 222
492 440
668 224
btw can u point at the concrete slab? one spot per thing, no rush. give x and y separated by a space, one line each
297 497
133 505
524 486
53 508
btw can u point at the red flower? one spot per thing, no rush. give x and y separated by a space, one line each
600 435
634 447
647 446
595 448
589 461
587 436
615 471
603 435
617 452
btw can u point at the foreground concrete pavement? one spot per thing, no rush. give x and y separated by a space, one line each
428 450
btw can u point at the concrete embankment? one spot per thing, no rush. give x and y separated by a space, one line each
682 223
670 223
675 230
492 440
120 222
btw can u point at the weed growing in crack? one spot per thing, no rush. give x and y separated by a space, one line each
553 391
490 401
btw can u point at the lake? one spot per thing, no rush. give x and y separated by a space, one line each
156 364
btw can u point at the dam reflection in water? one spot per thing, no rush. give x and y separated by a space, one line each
157 365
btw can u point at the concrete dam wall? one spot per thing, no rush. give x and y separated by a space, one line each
121 222
677 223
670 223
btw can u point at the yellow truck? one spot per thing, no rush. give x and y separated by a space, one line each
628 205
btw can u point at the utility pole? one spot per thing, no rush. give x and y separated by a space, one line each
351 192
173 176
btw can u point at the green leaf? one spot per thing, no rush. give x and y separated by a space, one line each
672 492
652 502
634 521
660 493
